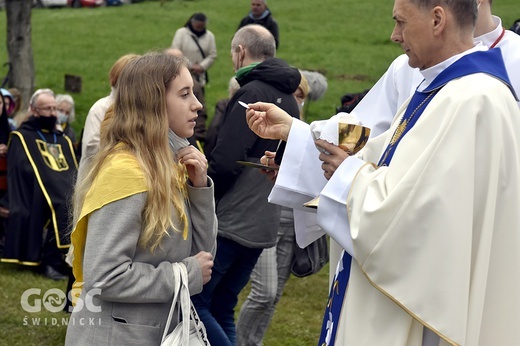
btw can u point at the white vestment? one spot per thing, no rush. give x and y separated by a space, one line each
509 44
376 110
437 231
459 177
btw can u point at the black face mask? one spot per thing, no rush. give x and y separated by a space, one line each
47 123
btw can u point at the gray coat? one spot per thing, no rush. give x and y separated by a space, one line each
128 291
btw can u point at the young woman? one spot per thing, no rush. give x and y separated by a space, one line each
145 203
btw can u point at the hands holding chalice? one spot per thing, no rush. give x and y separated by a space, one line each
351 138
269 121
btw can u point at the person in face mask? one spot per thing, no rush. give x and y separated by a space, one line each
66 114
41 169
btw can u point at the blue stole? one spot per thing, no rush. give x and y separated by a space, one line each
337 292
489 62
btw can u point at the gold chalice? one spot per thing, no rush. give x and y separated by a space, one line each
351 138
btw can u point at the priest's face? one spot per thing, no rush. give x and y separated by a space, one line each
413 32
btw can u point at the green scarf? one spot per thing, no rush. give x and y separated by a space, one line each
244 71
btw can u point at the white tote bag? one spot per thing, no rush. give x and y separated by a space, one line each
190 331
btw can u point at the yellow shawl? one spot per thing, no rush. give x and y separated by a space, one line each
119 177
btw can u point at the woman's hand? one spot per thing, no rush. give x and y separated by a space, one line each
196 165
197 69
206 263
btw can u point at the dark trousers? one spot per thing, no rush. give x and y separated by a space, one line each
215 305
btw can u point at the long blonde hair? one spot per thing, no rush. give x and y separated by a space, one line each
140 121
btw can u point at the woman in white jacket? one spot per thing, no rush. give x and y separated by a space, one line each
198 45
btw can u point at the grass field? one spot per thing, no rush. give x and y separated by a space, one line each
348 41
352 54
297 320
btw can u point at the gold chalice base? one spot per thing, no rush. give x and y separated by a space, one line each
313 203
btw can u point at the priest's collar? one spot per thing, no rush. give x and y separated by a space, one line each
489 38
431 73
485 61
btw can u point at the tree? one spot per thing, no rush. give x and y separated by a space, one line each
19 47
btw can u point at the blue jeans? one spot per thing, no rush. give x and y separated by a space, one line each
216 303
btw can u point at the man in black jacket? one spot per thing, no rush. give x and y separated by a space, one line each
247 222
261 15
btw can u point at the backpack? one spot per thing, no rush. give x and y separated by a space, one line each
516 27
349 101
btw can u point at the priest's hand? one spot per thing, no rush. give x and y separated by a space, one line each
196 165
268 120
332 159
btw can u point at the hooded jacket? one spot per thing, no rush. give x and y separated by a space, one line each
241 192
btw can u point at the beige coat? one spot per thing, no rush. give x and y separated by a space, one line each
184 41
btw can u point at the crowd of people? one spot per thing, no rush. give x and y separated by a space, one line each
422 221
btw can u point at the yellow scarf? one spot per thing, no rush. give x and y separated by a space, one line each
119 177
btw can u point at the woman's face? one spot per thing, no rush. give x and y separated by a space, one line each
298 95
63 111
182 105
198 25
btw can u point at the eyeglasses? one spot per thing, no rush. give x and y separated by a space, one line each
46 109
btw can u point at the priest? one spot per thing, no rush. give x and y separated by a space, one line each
427 210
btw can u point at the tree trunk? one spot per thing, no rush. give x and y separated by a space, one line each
19 47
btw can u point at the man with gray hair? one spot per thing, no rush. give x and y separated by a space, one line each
261 15
41 168
247 222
